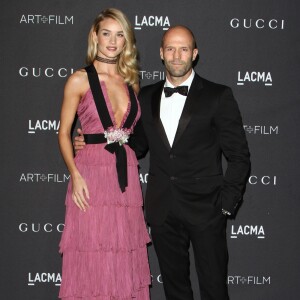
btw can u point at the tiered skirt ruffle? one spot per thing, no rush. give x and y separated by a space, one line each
104 249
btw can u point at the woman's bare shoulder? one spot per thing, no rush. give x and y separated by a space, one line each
78 82
78 77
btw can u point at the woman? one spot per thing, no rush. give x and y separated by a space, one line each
105 237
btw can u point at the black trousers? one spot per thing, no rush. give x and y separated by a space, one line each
172 241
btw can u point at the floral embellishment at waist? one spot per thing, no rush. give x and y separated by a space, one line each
117 135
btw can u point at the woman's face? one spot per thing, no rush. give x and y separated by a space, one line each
110 38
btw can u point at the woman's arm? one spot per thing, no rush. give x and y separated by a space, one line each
72 95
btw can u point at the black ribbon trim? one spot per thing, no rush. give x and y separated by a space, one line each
133 109
98 97
114 148
121 163
94 138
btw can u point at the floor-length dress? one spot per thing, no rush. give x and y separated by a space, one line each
104 249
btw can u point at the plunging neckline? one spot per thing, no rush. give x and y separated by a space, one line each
104 107
109 105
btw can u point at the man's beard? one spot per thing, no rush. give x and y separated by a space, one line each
178 71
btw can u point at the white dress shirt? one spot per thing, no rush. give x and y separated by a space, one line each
171 108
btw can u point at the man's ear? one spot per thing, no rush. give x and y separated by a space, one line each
195 53
161 53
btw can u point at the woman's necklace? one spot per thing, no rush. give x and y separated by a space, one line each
107 60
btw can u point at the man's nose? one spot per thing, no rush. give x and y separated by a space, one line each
176 54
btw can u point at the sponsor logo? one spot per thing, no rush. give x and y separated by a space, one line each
159 279
253 179
44 177
152 75
234 279
256 77
272 24
264 180
247 230
43 125
261 129
46 72
144 178
37 278
156 278
38 227
47 19
248 280
151 21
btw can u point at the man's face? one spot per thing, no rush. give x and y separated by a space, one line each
178 53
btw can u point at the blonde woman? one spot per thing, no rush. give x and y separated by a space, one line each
104 240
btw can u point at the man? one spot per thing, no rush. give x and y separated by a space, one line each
187 129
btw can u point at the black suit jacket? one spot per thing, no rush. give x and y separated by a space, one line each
190 172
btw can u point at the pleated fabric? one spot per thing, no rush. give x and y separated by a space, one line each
104 249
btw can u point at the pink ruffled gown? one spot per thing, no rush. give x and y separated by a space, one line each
104 249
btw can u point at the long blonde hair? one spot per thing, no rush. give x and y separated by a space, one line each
127 65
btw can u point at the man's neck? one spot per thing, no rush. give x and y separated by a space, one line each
176 81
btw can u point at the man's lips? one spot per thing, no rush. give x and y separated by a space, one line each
177 63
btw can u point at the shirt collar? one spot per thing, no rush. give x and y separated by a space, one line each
187 82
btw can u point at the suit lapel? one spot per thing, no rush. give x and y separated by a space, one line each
190 102
156 99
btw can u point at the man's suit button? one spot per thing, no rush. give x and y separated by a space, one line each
173 178
172 156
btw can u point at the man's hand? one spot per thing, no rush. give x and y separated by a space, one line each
79 143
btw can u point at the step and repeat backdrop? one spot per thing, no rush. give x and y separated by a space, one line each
252 46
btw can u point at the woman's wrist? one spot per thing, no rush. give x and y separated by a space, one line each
75 174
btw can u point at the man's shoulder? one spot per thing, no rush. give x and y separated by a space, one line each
210 85
152 87
146 93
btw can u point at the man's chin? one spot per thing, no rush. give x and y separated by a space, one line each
178 74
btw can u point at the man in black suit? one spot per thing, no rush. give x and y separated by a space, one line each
188 197
187 124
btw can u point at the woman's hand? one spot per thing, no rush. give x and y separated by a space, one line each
80 192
